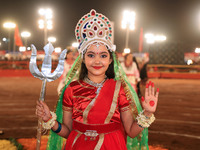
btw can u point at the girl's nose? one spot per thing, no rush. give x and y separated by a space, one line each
97 60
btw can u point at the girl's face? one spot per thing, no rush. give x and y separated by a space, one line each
70 55
97 60
129 59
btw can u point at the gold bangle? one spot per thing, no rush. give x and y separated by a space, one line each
144 121
50 123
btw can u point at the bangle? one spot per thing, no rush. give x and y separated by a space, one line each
48 119
144 121
59 128
49 124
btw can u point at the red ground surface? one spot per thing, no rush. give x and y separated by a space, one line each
177 126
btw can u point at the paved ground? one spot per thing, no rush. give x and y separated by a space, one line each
177 126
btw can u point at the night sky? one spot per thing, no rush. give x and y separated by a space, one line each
179 20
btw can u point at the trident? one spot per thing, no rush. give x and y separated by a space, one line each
45 75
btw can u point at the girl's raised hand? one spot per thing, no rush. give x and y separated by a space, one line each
149 103
42 110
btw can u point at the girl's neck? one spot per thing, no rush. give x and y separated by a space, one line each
96 79
128 64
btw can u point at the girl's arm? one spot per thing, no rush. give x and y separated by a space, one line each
42 110
131 127
66 125
149 104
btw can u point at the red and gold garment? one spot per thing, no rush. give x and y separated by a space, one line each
91 109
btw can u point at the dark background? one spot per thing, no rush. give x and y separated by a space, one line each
179 20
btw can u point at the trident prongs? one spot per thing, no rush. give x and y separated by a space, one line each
46 65
45 75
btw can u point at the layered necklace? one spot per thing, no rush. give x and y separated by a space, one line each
97 85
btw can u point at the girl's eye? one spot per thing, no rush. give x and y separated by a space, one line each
104 56
90 55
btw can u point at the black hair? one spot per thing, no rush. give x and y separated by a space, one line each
110 73
125 57
68 51
135 60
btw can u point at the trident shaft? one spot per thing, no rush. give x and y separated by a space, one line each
45 75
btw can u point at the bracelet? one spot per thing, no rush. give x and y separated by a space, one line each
144 121
48 119
59 128
50 123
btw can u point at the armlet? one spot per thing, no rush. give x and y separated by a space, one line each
67 108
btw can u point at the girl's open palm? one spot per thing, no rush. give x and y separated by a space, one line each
149 103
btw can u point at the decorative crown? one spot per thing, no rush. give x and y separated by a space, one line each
93 27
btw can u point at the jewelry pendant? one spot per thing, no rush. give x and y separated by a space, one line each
98 90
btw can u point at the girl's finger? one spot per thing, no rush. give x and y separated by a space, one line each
150 87
43 103
142 99
147 90
39 108
157 93
39 102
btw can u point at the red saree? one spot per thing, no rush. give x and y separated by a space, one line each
96 111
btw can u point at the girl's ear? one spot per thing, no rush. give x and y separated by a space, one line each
110 61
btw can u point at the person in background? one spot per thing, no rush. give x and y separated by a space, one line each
131 70
138 83
69 60
143 76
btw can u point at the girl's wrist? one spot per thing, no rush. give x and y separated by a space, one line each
49 118
147 114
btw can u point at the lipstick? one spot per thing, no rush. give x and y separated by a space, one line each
97 67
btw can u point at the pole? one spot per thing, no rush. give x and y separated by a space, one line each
9 40
127 37
39 129
141 40
14 45
26 42
45 31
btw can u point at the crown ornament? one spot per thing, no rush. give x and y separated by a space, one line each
94 28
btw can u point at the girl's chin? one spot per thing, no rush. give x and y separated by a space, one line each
97 73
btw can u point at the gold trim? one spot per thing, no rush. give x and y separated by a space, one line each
125 108
75 139
65 108
129 97
82 97
100 142
114 102
86 86
86 111
90 105
77 109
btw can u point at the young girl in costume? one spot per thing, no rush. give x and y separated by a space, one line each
100 109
